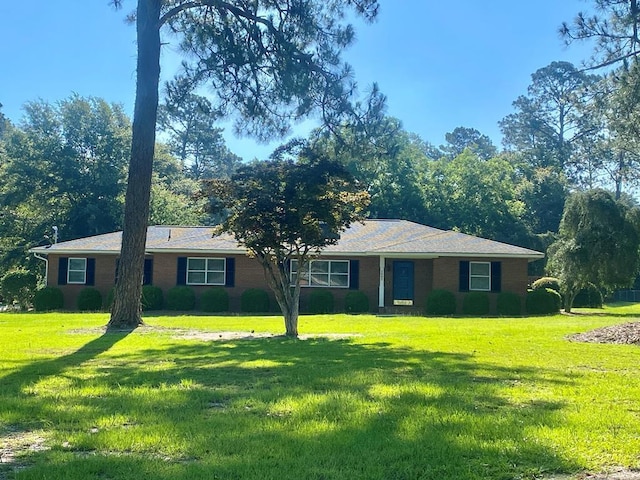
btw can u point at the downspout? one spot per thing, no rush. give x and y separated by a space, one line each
381 284
46 267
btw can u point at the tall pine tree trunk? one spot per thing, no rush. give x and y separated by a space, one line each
127 307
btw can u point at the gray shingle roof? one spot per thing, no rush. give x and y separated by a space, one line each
372 237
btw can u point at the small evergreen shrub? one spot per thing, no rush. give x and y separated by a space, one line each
321 301
180 299
440 302
47 299
89 300
18 286
254 300
356 302
546 282
475 303
152 298
589 297
509 304
214 300
543 301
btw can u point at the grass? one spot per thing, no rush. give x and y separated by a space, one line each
409 398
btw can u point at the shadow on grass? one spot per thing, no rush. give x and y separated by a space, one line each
285 409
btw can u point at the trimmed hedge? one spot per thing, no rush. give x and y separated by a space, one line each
321 301
47 299
508 304
589 297
254 300
89 300
440 302
180 299
543 301
475 303
356 302
214 300
546 282
152 298
18 286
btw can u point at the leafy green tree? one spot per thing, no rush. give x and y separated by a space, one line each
475 196
463 137
284 211
269 61
18 286
386 161
598 243
551 118
63 165
190 121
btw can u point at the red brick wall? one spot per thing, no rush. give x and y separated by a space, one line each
440 273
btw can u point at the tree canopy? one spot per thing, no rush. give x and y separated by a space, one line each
598 243
283 210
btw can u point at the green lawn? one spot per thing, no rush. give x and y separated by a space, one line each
408 398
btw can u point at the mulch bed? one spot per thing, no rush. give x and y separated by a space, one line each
624 334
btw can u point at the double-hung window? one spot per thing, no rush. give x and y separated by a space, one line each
480 276
322 273
77 271
205 271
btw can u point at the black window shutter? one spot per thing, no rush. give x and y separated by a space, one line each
354 274
230 272
147 276
63 265
464 276
182 271
496 276
91 271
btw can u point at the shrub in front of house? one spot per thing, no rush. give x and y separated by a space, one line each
508 304
47 299
109 300
543 301
475 303
589 297
214 300
546 282
180 299
440 302
254 300
152 298
356 302
89 300
321 301
18 286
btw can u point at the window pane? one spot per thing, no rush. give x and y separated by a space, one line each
215 264
215 278
479 268
195 277
76 276
196 263
339 267
320 279
339 281
320 266
294 266
479 283
77 263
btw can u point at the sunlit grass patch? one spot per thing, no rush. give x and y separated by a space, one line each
362 397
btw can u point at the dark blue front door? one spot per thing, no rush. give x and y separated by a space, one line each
402 281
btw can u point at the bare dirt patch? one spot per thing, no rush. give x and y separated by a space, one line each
624 334
14 444
209 336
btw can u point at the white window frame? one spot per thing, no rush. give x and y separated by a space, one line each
76 270
477 276
206 271
330 273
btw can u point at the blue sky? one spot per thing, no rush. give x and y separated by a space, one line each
441 64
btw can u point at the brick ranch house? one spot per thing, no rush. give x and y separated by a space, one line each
396 263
